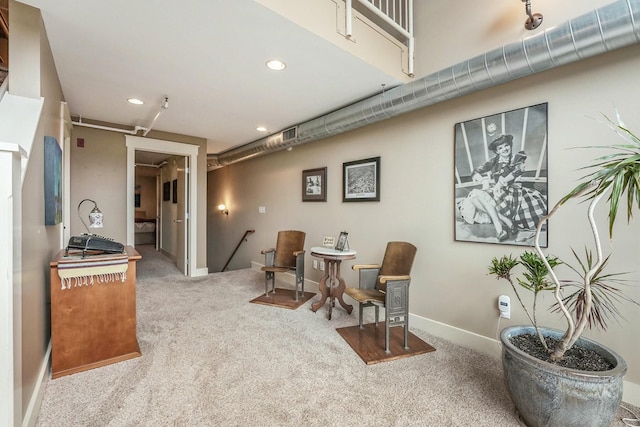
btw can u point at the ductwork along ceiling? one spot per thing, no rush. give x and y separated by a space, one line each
611 27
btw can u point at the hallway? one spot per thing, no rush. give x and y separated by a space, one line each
154 264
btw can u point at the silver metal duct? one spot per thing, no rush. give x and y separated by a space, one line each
605 29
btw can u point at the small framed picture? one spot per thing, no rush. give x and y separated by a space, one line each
314 185
342 241
361 180
328 241
175 191
166 191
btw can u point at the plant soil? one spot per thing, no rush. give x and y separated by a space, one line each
574 358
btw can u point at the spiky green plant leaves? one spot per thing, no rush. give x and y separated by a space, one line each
618 172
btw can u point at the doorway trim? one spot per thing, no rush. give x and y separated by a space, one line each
134 143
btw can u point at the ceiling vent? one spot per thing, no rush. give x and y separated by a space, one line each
289 134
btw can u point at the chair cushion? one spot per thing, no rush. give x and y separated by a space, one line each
365 295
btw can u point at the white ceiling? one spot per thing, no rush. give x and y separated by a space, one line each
208 57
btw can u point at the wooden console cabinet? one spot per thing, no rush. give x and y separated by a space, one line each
93 325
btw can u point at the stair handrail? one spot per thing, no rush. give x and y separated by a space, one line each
244 239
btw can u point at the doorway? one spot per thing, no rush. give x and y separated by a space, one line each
190 153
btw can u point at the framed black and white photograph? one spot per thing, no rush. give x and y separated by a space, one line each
166 191
500 177
174 191
342 241
314 185
361 180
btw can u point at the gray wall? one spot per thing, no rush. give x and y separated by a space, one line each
32 74
99 172
450 285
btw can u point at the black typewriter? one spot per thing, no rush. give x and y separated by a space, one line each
94 242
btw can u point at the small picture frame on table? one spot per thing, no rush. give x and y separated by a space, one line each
342 241
314 185
328 241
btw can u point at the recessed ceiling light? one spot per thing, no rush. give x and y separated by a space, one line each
261 129
135 101
276 65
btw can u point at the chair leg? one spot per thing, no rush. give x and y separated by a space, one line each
269 275
299 282
299 273
386 334
406 331
360 314
377 314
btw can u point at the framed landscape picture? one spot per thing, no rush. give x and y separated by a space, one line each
361 180
314 185
500 177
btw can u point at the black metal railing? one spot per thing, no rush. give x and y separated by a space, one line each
244 239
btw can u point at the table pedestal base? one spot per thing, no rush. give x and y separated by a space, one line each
332 286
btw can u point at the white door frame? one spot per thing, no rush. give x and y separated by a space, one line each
134 143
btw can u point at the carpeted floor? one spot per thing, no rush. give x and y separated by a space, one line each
211 358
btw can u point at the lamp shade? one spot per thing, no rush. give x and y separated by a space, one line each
95 216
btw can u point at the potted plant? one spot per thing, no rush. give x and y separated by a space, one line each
547 387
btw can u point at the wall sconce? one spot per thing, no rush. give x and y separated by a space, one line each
534 20
223 209
95 216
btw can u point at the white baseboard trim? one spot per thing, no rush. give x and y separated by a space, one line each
201 272
31 414
456 335
631 391
461 337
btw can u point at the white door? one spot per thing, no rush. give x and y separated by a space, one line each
182 219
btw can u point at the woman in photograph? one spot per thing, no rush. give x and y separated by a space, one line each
503 200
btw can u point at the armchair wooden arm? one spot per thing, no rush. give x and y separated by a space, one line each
364 266
385 279
268 250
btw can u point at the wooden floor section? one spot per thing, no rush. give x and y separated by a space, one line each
284 298
368 343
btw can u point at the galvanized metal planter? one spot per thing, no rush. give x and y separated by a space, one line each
552 396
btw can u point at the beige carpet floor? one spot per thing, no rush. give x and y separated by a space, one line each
211 358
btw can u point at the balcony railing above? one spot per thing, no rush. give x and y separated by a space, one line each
397 14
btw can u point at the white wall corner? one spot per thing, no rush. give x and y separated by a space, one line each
31 414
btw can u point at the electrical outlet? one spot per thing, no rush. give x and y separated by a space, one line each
315 264
321 265
504 306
